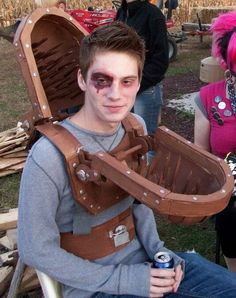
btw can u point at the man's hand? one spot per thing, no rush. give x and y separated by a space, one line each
163 281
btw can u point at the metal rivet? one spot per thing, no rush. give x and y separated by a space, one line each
167 129
195 198
128 172
81 191
100 154
30 21
27 45
84 198
34 74
91 206
188 142
47 10
44 107
157 202
223 191
142 157
20 55
74 165
145 194
229 175
70 18
82 175
95 174
16 44
162 191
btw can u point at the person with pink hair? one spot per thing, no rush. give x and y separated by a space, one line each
215 122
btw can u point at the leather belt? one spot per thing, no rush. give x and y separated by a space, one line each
102 240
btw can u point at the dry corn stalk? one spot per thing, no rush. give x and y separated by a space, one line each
11 10
13 152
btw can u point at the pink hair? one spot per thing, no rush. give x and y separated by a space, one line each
224 24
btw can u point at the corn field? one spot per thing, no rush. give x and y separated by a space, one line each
10 10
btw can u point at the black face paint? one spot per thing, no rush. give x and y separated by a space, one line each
101 80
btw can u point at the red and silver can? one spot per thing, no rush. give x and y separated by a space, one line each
163 260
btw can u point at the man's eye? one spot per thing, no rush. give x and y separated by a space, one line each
102 81
128 82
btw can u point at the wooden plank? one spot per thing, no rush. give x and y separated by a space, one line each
29 281
8 220
6 257
6 274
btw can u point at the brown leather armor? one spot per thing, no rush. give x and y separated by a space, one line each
92 190
183 182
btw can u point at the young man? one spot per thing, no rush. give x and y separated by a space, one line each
111 59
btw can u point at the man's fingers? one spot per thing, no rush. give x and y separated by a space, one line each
164 273
162 282
154 291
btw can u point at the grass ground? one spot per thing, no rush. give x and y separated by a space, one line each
14 103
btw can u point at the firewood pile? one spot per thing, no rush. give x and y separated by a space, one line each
25 279
13 152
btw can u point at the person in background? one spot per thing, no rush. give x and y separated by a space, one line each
103 262
215 122
150 24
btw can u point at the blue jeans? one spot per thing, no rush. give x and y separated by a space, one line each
202 279
148 105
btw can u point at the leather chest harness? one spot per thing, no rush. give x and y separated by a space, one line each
97 193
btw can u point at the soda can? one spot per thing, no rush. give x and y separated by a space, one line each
163 260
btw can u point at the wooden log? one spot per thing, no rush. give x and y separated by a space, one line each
8 258
8 220
6 274
10 239
29 281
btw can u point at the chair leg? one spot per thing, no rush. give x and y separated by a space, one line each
16 279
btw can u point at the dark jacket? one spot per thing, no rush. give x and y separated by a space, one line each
149 23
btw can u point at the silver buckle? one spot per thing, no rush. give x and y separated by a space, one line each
120 235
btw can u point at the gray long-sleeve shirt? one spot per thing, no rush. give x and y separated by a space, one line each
47 208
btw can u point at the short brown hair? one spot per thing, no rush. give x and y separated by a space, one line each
116 37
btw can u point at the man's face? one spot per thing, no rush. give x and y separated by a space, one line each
110 88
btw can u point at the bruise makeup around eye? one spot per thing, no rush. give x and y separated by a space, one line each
101 80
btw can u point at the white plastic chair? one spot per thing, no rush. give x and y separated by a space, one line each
50 287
